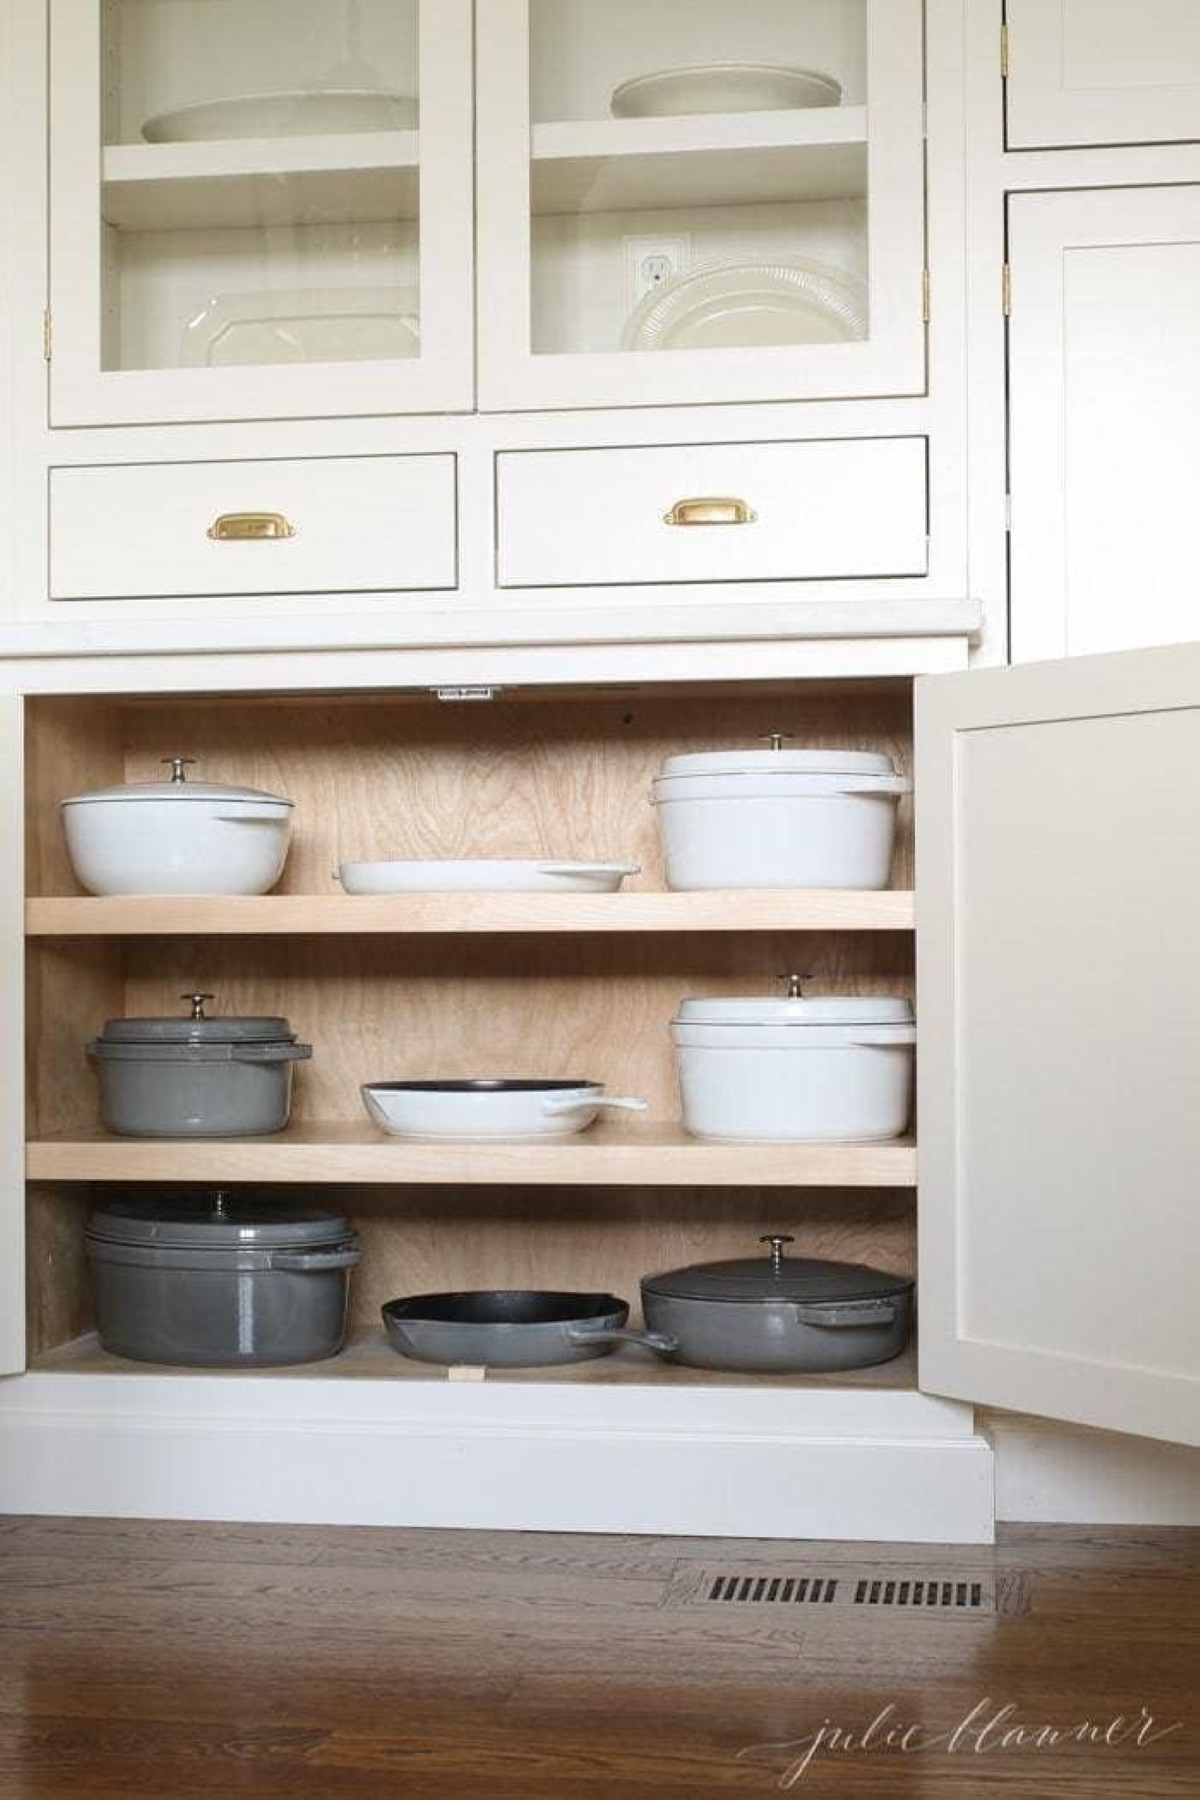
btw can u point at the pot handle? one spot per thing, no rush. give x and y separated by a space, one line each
875 784
615 1102
881 1036
270 1053
247 815
838 1314
313 1262
661 1342
552 868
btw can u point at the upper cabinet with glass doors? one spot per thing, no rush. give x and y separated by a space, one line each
259 209
693 201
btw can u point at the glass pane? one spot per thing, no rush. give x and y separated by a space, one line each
260 192
699 174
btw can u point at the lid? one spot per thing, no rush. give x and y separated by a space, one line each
794 1008
215 1219
774 1276
779 761
196 1028
180 788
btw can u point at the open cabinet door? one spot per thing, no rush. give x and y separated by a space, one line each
12 1038
1058 952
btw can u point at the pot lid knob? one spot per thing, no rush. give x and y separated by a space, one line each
777 739
177 765
220 1205
197 1003
776 1241
795 985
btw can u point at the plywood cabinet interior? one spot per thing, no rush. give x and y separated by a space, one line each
392 774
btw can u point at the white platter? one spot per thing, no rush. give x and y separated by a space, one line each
483 875
297 114
743 305
723 87
304 325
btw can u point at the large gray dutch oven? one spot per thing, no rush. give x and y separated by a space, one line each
767 1314
196 1076
217 1282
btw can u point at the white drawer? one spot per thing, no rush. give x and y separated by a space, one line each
826 508
356 524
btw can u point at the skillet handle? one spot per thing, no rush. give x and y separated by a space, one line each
661 1342
838 1314
616 1103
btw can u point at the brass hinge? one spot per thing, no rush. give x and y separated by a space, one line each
1004 52
1006 289
47 335
926 307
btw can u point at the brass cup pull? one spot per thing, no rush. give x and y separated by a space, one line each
250 527
710 511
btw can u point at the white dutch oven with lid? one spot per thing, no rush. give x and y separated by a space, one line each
178 837
795 1070
779 818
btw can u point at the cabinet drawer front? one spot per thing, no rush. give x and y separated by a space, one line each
796 512
317 525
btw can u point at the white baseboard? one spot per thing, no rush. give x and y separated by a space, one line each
1046 1472
406 1458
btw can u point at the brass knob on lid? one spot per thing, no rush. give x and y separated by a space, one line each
777 739
776 1240
197 1001
177 765
220 1205
795 985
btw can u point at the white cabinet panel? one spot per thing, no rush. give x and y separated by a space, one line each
1104 385
329 525
1102 72
1059 1004
788 512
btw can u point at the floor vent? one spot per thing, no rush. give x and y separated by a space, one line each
863 1590
917 1592
774 1590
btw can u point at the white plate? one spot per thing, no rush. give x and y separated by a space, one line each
483 875
304 325
723 87
296 114
747 304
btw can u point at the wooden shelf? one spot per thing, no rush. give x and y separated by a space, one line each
369 1357
616 1155
729 159
279 915
351 178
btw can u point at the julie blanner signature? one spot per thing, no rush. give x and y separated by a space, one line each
991 1726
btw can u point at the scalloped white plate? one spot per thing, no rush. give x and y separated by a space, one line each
304 325
743 305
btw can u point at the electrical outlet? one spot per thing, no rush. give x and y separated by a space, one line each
650 261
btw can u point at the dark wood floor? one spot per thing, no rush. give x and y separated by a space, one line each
146 1660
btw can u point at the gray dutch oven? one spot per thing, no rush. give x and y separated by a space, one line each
769 1315
218 1282
195 1076
512 1328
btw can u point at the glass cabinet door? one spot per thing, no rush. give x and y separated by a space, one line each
692 201
259 209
